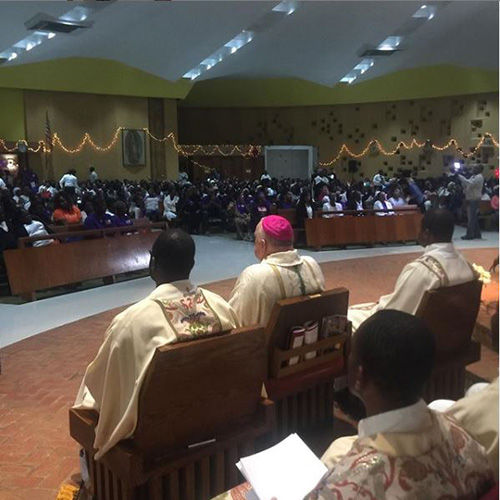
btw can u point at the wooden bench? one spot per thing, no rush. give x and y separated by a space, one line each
103 253
363 227
203 391
451 314
141 223
303 393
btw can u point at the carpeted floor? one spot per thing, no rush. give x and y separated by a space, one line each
41 375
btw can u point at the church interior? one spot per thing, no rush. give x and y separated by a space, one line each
236 226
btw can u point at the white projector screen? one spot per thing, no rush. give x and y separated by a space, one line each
289 161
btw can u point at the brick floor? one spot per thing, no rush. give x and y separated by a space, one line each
41 375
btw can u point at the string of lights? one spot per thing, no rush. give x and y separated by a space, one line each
248 151
374 146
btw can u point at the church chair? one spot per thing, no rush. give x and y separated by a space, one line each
303 392
199 411
451 313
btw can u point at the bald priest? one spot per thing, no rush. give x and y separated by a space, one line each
281 274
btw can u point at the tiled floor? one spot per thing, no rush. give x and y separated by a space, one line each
41 374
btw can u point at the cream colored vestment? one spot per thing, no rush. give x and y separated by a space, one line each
440 265
478 414
281 275
112 381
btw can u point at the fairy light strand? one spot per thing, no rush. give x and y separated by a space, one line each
247 151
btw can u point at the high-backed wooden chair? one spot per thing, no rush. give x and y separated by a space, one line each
451 313
200 409
303 392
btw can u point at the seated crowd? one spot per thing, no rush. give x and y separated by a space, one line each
403 450
232 204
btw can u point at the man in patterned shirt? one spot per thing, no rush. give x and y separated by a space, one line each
440 265
175 311
403 449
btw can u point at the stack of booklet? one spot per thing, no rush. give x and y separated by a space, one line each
287 471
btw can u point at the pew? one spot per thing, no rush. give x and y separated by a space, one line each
103 253
363 227
201 391
303 392
141 223
451 313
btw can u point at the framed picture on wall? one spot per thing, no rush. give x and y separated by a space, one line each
133 147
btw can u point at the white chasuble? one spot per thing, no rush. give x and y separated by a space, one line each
439 460
172 312
440 265
478 414
281 275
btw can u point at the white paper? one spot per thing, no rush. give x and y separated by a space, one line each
286 471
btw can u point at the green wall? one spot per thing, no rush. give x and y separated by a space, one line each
91 76
12 116
420 83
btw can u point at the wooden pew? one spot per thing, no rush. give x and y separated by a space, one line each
303 393
451 314
106 253
141 223
194 392
363 227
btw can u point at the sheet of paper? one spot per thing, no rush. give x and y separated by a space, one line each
286 471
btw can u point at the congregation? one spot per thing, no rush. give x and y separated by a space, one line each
230 205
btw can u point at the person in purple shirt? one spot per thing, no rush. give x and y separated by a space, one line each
121 217
100 219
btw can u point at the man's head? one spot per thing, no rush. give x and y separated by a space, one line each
172 257
391 360
478 169
273 234
437 226
91 169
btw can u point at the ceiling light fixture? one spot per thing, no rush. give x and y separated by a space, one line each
219 55
286 7
358 70
272 17
426 12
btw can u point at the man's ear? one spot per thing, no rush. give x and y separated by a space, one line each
359 379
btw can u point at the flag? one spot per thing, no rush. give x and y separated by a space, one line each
49 145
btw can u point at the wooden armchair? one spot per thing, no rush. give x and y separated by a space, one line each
451 313
303 392
199 411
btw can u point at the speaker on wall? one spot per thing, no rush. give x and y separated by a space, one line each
352 166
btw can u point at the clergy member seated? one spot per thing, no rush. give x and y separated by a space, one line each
281 274
175 311
477 412
404 450
440 265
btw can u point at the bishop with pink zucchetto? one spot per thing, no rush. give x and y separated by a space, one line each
281 274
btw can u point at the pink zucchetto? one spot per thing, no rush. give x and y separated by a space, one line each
277 227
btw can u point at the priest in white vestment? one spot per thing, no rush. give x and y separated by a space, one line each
281 274
477 412
175 311
441 265
404 450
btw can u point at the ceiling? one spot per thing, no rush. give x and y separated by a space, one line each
319 42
